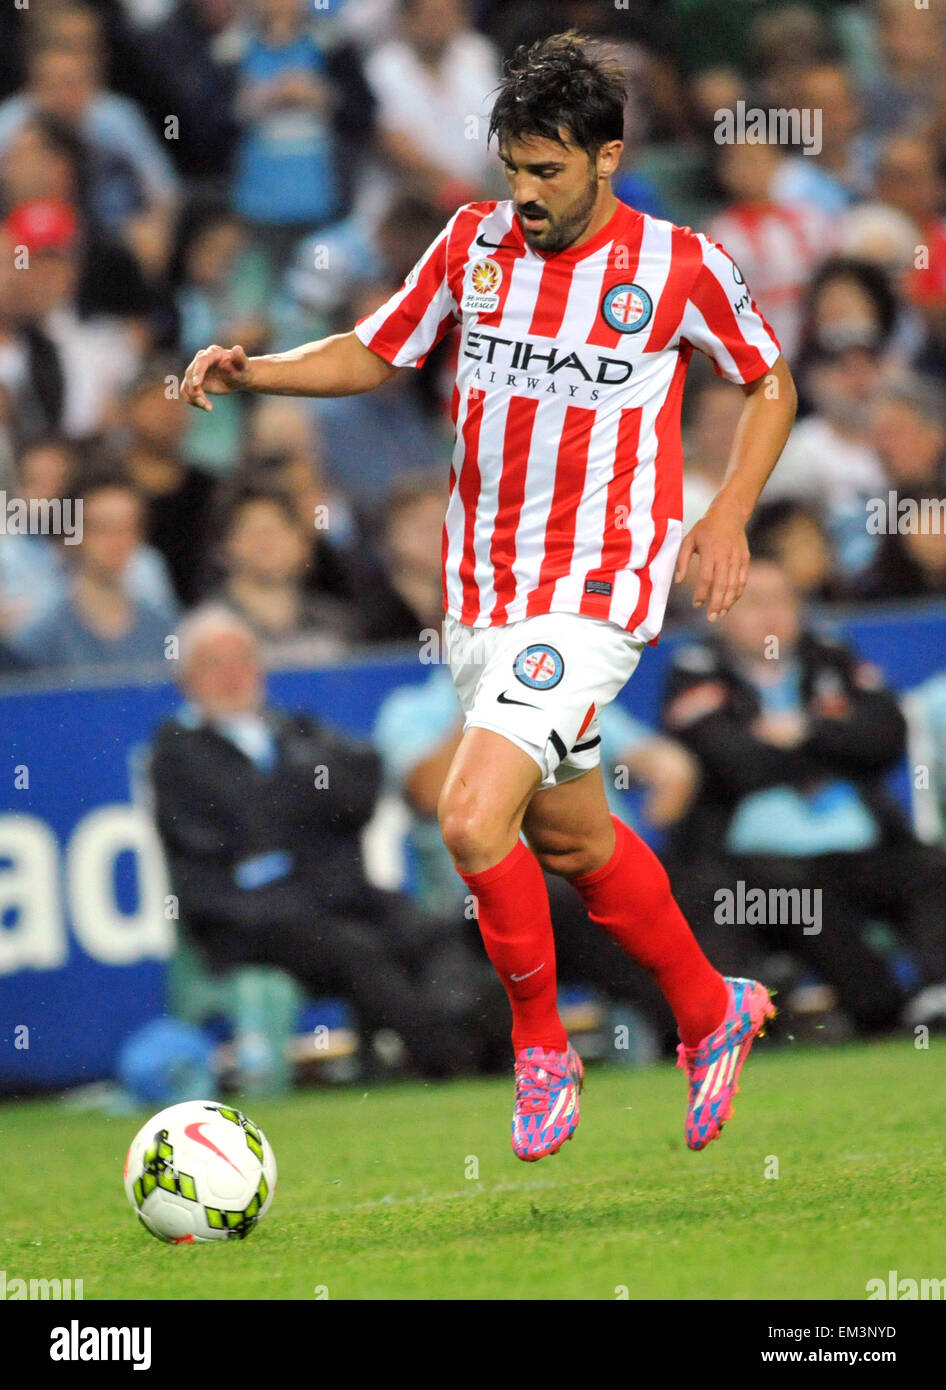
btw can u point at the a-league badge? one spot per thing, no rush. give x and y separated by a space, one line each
481 285
627 308
539 667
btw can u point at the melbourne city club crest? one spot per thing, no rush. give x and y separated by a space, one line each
627 308
483 279
539 667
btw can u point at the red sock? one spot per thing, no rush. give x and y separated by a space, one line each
512 906
630 897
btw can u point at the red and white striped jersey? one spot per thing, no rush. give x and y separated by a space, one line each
567 477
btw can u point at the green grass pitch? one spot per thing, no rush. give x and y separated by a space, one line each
375 1202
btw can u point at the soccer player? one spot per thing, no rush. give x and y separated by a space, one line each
578 319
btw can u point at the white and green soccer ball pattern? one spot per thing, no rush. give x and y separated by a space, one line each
200 1171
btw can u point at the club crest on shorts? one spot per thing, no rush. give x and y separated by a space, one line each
627 308
539 667
482 282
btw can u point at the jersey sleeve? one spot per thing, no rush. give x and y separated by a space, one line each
721 319
406 328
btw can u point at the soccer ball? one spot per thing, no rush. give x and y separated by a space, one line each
200 1171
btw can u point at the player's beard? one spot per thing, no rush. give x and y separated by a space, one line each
568 226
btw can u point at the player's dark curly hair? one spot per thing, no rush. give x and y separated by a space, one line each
565 82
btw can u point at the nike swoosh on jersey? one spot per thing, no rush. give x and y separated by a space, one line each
495 245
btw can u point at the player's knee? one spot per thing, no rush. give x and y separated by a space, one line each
472 845
471 833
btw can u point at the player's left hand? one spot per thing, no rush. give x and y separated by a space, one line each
718 540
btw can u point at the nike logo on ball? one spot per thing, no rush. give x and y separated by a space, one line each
193 1132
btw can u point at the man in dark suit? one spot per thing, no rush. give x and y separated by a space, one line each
795 735
260 813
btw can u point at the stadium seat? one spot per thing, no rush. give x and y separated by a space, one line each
260 1003
276 1031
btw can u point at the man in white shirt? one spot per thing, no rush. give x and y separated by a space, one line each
432 85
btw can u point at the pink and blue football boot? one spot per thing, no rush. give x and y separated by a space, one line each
713 1066
546 1113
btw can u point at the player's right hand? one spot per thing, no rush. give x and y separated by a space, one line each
215 371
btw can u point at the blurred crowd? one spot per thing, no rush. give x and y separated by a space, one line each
177 172
266 172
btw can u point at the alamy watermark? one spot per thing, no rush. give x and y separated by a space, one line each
78 1343
14 1289
778 125
906 516
769 907
459 646
41 516
905 1290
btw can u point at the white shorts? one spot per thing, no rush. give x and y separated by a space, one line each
541 683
